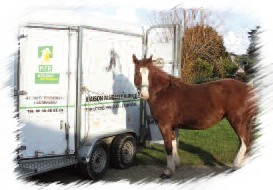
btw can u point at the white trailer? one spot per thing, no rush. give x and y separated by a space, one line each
76 98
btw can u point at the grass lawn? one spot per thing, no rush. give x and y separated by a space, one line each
215 146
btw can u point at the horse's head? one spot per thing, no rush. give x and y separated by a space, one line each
141 78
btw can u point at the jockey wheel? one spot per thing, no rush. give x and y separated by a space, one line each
123 151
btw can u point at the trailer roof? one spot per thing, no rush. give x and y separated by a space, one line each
76 18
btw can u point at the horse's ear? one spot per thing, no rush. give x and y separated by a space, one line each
135 59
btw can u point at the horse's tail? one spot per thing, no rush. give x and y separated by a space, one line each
252 130
252 122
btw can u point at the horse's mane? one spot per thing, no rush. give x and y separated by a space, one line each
173 81
176 81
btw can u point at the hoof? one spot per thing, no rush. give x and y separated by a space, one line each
237 166
232 170
177 164
165 176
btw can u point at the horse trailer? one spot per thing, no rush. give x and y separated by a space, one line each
76 99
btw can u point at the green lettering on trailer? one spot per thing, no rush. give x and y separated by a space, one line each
110 102
45 68
47 78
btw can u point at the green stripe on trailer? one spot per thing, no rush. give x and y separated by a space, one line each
28 107
112 102
91 104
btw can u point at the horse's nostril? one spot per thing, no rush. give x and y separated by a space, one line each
144 96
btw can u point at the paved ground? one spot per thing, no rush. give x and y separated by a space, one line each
135 174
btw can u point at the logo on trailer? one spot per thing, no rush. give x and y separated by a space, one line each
45 73
45 53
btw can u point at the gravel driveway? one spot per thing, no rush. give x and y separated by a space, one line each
135 174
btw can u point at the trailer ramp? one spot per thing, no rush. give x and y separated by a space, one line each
32 167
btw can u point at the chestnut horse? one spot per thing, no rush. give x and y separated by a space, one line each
174 105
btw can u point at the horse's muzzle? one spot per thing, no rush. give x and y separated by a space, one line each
144 93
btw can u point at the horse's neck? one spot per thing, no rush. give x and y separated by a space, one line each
162 81
158 82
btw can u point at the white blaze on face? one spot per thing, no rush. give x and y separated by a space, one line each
144 93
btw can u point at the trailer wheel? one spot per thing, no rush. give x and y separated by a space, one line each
123 151
98 162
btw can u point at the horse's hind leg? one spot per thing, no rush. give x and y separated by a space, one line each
240 128
238 161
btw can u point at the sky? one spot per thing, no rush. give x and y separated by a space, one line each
234 24
234 27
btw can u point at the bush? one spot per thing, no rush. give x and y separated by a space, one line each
241 77
249 66
230 68
226 68
202 70
201 43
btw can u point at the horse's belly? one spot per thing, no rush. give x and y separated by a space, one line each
201 123
193 127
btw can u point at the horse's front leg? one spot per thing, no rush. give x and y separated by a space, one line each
167 135
175 141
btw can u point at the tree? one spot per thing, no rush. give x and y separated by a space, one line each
188 18
200 43
253 50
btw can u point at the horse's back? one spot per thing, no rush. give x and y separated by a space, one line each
238 99
210 102
201 105
236 91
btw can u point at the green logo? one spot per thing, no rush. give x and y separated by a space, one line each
45 68
45 53
47 78
45 75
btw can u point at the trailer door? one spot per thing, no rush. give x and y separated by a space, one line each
110 102
47 91
164 43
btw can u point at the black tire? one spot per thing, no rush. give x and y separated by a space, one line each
123 151
98 162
